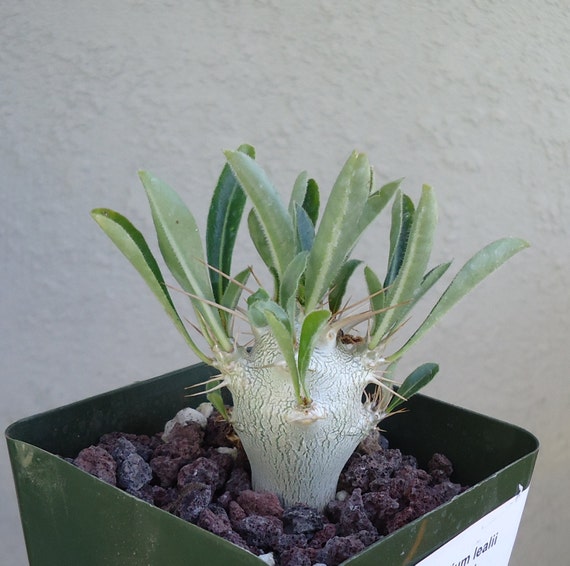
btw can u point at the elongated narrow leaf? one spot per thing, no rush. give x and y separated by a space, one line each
291 278
224 217
482 264
376 203
413 267
285 341
312 201
181 248
298 193
273 217
134 247
305 229
215 397
234 289
340 284
402 218
260 241
311 330
377 296
232 295
338 230
418 379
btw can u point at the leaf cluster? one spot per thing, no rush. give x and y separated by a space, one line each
308 255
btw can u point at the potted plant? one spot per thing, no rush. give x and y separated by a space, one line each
316 374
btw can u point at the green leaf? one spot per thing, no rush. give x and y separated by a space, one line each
375 291
255 304
291 278
339 228
181 248
482 264
285 340
413 266
340 284
376 202
305 229
312 200
310 332
274 220
402 218
298 193
418 379
234 290
224 217
260 242
215 397
134 247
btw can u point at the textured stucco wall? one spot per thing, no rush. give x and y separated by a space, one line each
472 97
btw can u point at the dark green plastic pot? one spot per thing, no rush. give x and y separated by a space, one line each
71 518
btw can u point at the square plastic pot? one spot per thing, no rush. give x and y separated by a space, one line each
71 518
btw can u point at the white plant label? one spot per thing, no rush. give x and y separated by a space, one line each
488 542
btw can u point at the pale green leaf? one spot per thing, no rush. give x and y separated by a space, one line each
339 228
181 248
273 217
134 247
291 278
482 264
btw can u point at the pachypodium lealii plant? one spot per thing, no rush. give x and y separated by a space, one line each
316 378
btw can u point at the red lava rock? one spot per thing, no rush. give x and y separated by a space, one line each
322 536
216 523
236 513
166 469
97 462
261 503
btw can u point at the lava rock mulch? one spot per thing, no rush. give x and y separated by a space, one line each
199 472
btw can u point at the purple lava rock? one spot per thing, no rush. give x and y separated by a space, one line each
287 542
440 468
97 462
338 549
133 472
302 519
201 470
379 507
194 499
353 517
260 532
239 482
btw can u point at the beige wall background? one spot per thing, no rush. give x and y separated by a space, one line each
472 97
